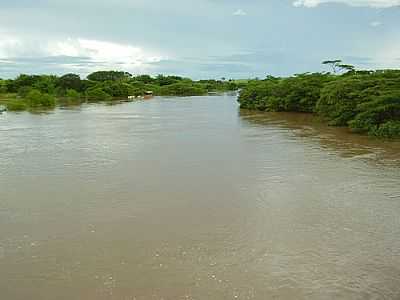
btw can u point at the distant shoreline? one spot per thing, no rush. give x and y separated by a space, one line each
32 92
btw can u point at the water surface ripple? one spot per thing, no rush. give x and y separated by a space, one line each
188 198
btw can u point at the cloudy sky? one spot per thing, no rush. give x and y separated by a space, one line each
199 39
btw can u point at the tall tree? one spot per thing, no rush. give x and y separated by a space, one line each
334 64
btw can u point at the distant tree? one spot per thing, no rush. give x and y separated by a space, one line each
22 80
87 84
97 94
117 88
46 84
182 89
24 90
11 86
72 94
270 77
37 99
26 80
347 68
144 78
338 66
109 76
334 64
70 81
163 80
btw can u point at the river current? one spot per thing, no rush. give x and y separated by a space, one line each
191 198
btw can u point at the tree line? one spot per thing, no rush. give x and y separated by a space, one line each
365 101
45 91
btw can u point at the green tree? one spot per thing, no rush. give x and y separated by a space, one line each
338 66
144 78
36 99
97 94
70 81
182 89
109 76
334 64
72 94
46 84
163 80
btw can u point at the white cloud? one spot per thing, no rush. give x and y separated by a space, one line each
388 54
100 51
240 12
365 3
375 24
96 54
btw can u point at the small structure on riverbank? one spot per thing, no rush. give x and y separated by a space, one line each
2 109
148 95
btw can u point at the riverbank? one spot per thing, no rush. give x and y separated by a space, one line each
365 101
31 92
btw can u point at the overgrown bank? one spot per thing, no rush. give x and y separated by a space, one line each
46 91
365 101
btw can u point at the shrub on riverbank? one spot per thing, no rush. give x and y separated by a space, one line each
182 89
380 115
16 105
72 94
72 97
366 101
33 99
389 129
97 94
36 99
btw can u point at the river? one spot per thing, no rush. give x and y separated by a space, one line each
189 198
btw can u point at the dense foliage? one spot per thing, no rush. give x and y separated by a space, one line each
298 93
44 91
366 101
109 76
183 89
37 99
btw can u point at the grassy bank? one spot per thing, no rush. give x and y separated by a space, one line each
33 100
12 103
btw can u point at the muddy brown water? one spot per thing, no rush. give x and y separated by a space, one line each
188 198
